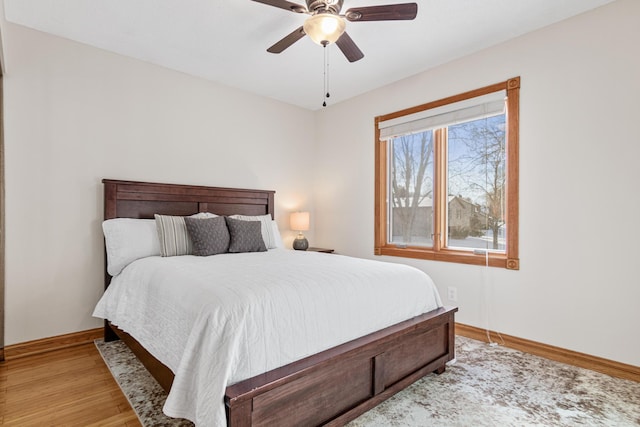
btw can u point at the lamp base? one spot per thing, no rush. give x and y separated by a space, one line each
300 243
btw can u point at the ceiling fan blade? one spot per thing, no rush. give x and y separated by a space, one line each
389 12
349 48
287 41
284 4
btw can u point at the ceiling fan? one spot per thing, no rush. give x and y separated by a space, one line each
326 25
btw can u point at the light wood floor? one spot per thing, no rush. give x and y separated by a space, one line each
68 387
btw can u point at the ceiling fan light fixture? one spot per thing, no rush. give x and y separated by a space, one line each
324 28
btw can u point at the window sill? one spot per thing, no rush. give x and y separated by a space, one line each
447 255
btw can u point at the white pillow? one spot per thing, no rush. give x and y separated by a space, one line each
203 215
277 237
266 227
129 239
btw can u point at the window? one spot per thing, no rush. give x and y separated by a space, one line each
447 179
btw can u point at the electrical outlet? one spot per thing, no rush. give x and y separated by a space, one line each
452 293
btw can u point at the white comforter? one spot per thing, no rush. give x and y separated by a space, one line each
217 320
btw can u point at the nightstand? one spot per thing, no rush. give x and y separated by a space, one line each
324 250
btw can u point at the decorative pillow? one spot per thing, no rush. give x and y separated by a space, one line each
173 236
129 239
266 228
209 236
246 236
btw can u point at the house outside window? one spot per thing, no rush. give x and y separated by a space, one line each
447 179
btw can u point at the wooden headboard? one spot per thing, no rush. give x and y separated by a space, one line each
130 199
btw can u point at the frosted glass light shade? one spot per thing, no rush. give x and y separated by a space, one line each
324 28
299 221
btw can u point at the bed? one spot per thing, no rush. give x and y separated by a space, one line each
330 386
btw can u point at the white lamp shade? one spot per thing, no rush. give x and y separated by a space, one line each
324 28
299 221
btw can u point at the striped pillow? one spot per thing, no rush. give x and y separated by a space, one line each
266 227
173 235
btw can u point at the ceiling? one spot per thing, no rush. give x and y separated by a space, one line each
225 41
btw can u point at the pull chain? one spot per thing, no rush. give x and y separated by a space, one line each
326 74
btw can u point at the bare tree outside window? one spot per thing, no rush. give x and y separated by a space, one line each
477 174
412 188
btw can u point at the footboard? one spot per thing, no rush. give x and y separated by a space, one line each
333 387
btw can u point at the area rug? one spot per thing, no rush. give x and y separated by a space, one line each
485 386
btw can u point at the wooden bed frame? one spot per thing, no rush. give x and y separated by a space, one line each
329 388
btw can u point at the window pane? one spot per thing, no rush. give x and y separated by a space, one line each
476 184
410 189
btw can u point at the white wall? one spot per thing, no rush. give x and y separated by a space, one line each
578 286
75 115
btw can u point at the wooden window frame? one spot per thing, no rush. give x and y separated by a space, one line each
510 258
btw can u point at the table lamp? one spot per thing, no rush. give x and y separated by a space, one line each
299 221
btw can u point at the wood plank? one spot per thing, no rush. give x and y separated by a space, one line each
324 391
45 345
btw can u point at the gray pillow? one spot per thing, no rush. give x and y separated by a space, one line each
268 233
246 236
209 236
